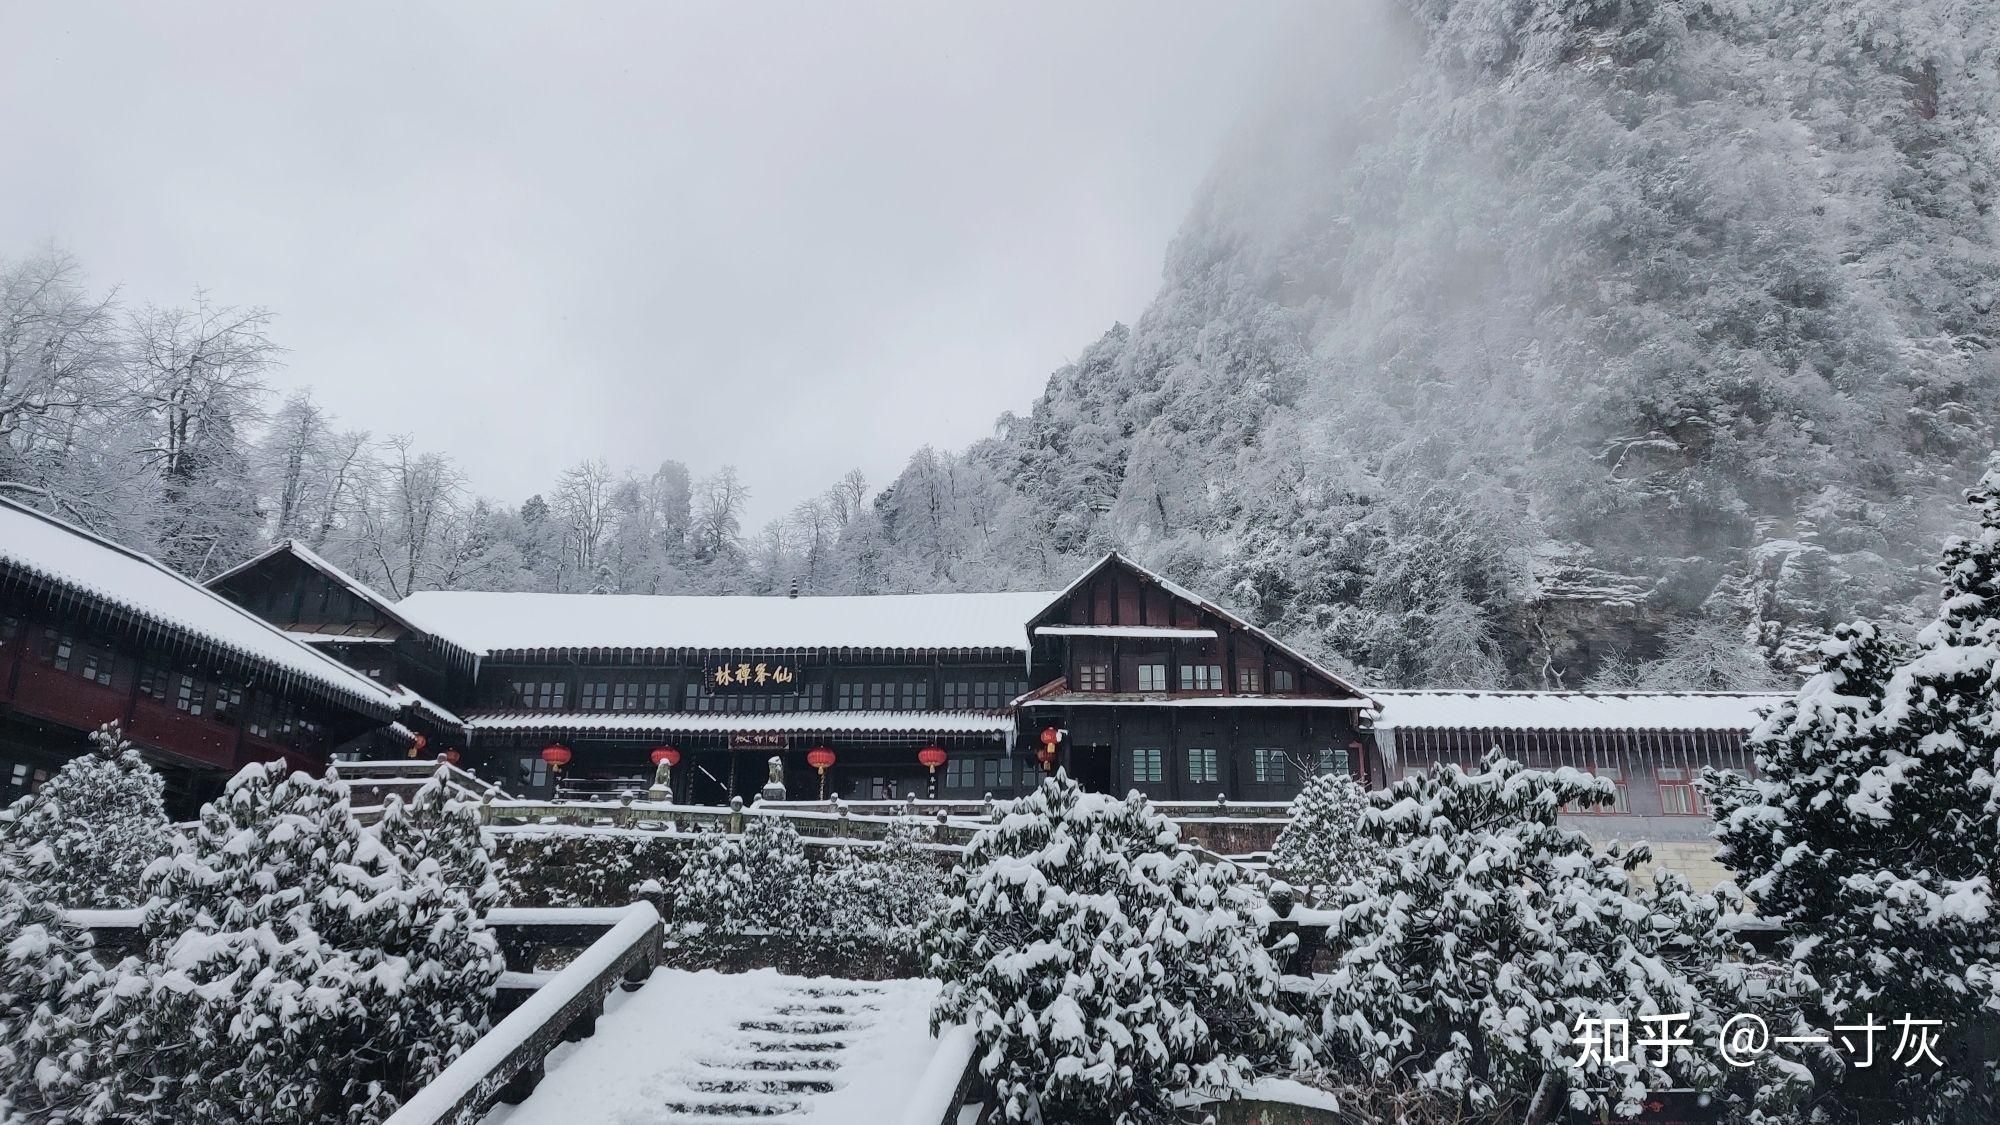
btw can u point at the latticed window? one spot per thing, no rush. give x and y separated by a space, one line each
544 695
1268 766
596 695
1201 677
998 774
961 773
1334 760
1678 795
1201 765
1249 680
1093 677
1146 765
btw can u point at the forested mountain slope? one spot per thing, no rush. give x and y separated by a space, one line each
1575 333
1524 342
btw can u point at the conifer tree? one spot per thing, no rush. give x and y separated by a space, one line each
90 831
439 827
1102 967
48 985
1491 933
1323 850
303 975
1871 833
756 882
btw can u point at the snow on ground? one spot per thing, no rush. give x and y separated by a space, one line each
697 1047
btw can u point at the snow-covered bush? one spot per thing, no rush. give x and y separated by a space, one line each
756 882
1104 969
1871 833
883 894
442 829
1323 850
1492 931
302 974
90 831
55 1058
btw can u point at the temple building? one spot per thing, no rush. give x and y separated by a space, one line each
1123 678
91 633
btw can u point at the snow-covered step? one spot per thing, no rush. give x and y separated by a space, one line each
728 1049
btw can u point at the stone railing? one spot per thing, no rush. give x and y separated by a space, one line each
825 820
508 1062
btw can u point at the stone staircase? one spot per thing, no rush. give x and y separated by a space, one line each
775 1061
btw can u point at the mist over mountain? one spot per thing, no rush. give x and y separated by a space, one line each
1538 342
1513 342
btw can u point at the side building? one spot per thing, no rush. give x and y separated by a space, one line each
92 632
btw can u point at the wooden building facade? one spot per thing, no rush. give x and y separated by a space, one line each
91 632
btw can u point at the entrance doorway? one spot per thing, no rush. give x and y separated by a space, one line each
1090 767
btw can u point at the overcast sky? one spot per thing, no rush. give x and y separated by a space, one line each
796 238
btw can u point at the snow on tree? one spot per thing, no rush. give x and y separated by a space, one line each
58 1007
1323 850
1869 834
302 974
1103 968
1492 932
90 831
884 893
755 882
442 829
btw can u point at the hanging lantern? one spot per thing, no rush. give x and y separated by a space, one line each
932 757
557 756
820 758
451 755
1051 736
1046 753
667 754
417 744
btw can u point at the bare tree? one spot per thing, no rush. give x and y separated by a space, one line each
583 504
405 526
59 358
844 497
718 524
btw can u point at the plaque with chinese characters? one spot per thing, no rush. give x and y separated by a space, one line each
777 677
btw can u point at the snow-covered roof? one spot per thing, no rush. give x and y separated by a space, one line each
523 622
1182 592
1571 710
1155 631
1158 699
313 559
69 557
716 722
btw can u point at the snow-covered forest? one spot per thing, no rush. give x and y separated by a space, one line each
1525 344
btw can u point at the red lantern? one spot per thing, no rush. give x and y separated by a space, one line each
1046 756
820 758
932 757
417 744
451 755
668 755
1051 736
557 756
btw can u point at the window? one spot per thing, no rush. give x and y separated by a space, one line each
1093 677
982 695
898 695
1678 795
657 695
190 694
10 628
850 697
997 774
1333 760
542 695
961 773
1145 766
58 649
534 772
1201 766
699 699
1201 677
1152 677
1282 680
1250 681
226 702
596 696
1268 766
